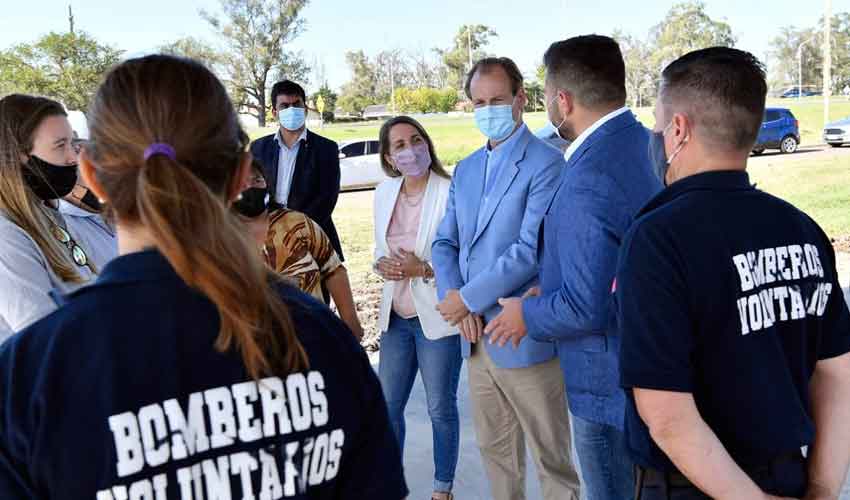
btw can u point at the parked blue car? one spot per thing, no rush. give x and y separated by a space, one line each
779 130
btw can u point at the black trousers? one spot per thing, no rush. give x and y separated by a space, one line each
784 476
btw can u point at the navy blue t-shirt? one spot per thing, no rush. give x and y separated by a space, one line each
121 395
730 294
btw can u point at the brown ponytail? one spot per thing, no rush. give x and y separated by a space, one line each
181 202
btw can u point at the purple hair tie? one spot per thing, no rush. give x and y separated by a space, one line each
160 148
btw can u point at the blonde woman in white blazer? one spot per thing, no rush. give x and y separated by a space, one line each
408 209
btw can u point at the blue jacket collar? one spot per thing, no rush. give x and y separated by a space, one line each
610 127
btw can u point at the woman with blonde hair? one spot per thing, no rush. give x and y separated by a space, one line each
408 209
187 370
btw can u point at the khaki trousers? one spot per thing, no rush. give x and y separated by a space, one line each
515 406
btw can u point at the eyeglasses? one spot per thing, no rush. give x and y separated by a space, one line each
77 253
77 145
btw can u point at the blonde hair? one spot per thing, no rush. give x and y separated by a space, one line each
20 116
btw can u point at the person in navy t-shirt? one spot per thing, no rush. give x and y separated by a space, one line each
186 371
734 330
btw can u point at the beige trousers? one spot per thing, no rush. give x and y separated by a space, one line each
515 406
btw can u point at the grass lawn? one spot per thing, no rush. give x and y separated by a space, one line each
820 187
817 183
456 137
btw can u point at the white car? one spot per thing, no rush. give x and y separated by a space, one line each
360 165
837 133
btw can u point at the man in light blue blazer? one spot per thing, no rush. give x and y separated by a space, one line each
485 249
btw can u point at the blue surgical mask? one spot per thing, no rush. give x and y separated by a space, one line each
495 122
291 118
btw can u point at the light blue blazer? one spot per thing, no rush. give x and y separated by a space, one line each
497 258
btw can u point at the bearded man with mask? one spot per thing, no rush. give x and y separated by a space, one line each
608 178
302 167
735 334
485 249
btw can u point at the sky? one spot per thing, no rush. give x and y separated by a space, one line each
525 27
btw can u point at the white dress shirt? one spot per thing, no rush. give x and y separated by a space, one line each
286 167
590 130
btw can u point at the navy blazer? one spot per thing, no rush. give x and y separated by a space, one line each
315 181
607 181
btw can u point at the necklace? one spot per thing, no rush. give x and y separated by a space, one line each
413 200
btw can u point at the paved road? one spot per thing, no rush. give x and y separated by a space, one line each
804 153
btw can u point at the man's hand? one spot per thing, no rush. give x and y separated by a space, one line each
509 325
531 292
389 269
472 328
452 307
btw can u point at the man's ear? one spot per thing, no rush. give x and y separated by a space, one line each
566 103
682 127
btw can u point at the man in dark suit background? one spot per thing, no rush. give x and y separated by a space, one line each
302 168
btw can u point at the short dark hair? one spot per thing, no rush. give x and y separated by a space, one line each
723 90
590 67
287 87
487 64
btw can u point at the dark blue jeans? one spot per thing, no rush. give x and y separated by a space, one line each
606 471
404 351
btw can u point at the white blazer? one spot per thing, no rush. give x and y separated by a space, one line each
424 293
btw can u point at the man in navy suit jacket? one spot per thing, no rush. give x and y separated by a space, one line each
302 168
607 180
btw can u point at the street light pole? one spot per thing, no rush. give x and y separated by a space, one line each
469 43
827 59
800 68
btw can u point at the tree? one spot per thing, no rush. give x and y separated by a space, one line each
469 38
330 99
196 49
65 66
256 34
360 91
784 71
540 74
686 28
536 96
425 72
425 100
641 76
390 70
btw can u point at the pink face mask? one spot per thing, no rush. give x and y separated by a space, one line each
413 161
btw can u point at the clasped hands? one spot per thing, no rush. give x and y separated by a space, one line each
507 326
399 266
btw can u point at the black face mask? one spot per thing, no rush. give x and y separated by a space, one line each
49 181
252 202
91 201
